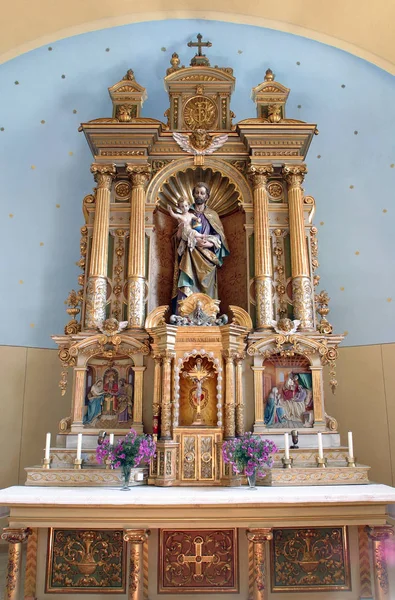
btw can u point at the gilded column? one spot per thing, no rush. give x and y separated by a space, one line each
229 429
136 538
139 177
240 427
157 395
258 395
259 539
165 429
318 395
78 396
15 538
138 398
302 291
96 292
378 535
262 249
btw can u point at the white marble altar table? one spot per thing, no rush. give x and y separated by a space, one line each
148 506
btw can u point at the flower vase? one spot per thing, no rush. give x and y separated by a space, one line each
126 469
252 480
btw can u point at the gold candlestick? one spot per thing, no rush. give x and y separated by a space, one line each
287 463
351 461
46 463
78 463
108 463
322 462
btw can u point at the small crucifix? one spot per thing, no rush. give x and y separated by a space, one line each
197 375
199 44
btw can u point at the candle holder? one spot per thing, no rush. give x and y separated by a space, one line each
287 463
78 463
351 461
108 464
322 463
47 463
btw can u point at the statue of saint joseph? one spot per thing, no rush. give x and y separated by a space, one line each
195 268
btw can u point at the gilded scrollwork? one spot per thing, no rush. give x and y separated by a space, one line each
264 300
95 306
137 289
198 560
303 301
85 559
314 559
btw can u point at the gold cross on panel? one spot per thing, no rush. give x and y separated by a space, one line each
198 558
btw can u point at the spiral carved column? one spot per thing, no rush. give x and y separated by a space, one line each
136 538
259 539
302 290
262 250
96 293
138 398
379 535
156 400
15 538
229 396
165 428
240 426
139 177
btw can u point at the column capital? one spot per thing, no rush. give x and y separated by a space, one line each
167 356
139 175
258 536
104 175
380 533
15 536
294 174
136 536
258 175
229 356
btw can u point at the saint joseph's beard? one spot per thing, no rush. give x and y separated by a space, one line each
199 200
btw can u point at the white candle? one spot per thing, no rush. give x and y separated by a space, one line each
320 447
111 439
79 446
47 446
286 445
350 445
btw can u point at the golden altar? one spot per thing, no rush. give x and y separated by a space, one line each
199 318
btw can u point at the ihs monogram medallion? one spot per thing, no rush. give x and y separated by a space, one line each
200 113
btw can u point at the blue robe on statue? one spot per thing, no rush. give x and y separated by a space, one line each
94 408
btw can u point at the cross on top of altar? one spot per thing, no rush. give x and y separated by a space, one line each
199 59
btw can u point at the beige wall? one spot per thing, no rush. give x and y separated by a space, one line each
364 403
31 405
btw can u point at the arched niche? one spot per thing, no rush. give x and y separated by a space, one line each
287 392
230 194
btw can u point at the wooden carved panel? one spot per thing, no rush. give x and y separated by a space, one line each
83 561
314 559
198 561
